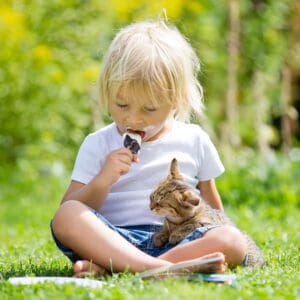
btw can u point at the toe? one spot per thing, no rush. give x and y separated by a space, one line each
84 268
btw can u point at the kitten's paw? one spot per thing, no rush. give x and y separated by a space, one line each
175 238
160 240
179 235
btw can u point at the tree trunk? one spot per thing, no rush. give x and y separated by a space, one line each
285 99
288 118
261 113
230 136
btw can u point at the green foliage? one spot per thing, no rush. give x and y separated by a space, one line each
51 54
270 180
50 61
265 41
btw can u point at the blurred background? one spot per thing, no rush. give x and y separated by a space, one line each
50 57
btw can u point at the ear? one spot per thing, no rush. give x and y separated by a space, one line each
174 170
190 197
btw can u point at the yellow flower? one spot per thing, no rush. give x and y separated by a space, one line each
42 53
194 6
10 18
91 73
11 24
56 75
173 7
125 8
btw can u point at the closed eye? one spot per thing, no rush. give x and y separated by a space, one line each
122 106
150 109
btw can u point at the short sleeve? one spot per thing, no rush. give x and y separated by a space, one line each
210 162
87 163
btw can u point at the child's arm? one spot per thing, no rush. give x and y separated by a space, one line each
94 193
210 193
91 194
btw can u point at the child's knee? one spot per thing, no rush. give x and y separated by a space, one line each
232 243
235 245
64 217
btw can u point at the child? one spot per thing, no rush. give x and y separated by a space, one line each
148 84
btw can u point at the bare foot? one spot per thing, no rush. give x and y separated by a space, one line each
217 266
215 263
84 268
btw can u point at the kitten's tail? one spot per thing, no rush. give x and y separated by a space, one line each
255 256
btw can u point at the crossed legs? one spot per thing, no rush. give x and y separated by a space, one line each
80 230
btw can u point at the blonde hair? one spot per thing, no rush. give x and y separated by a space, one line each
153 60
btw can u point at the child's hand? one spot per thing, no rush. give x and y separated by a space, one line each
117 163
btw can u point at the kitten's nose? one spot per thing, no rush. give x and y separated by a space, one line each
152 204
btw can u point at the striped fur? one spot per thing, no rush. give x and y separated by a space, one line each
185 210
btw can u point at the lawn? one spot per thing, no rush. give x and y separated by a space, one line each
261 197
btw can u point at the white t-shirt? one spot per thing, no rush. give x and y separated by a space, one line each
128 201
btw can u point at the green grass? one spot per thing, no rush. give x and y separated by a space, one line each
262 199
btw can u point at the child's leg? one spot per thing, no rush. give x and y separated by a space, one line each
80 230
226 239
83 268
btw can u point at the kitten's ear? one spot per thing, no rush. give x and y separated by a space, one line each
191 197
174 170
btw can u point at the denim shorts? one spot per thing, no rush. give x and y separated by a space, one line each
140 236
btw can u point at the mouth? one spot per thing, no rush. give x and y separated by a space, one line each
141 133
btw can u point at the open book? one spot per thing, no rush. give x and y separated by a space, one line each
171 272
86 282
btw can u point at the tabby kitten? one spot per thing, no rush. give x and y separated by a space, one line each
185 210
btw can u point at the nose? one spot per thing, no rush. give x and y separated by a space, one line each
134 120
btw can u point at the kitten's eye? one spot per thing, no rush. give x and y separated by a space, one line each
186 206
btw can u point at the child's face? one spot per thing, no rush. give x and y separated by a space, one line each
150 121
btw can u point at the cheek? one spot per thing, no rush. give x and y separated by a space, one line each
114 113
167 211
160 117
172 212
118 117
154 127
157 120
160 210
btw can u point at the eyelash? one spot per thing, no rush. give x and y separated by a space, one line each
125 106
150 109
122 106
